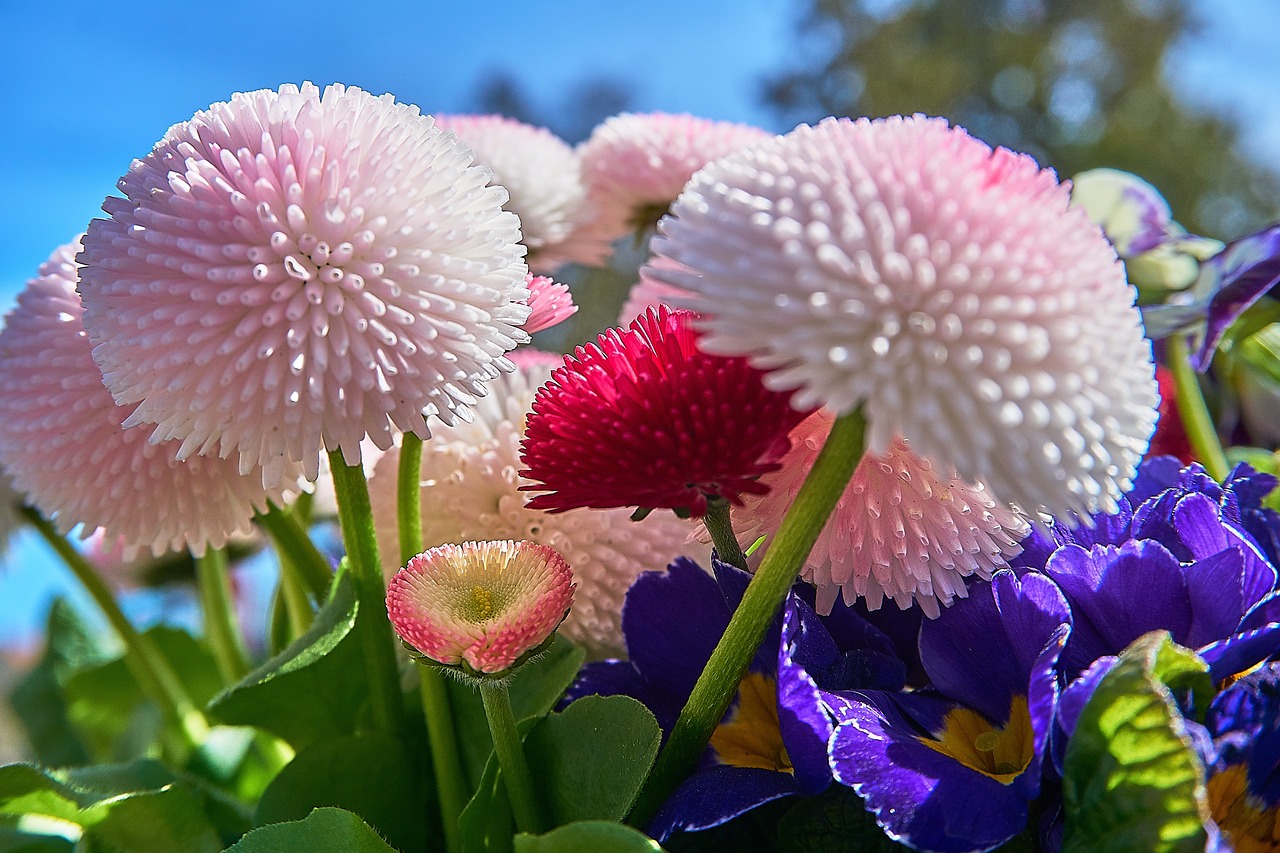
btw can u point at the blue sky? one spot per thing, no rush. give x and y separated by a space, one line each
91 85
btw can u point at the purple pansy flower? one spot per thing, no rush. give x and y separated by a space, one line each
955 766
1181 546
773 740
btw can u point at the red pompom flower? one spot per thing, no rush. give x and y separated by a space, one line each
644 418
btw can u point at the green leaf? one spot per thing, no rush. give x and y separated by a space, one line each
369 775
140 807
38 699
323 829
106 704
486 824
1132 781
314 689
535 689
590 836
590 760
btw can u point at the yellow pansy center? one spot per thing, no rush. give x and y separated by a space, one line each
971 739
752 736
1249 823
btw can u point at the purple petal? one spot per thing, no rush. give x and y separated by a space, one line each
1155 474
982 650
718 794
967 657
1217 603
1104 586
806 728
1241 652
919 796
1245 270
671 621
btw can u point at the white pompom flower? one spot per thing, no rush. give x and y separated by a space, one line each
290 271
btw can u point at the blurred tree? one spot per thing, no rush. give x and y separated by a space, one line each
1075 83
579 110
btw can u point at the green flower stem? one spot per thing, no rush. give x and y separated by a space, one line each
377 640
451 788
1196 420
290 538
409 497
720 527
765 594
515 768
148 666
221 628
299 614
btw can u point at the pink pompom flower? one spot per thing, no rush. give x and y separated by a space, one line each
291 271
635 164
903 529
481 606
951 291
63 440
644 418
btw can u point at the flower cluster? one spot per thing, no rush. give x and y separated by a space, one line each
872 359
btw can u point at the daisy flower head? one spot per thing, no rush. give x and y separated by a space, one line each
635 164
903 529
544 177
948 289
480 605
644 418
292 270
470 489
64 444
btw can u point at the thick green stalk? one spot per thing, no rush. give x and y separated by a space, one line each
409 497
221 627
149 667
1196 419
765 594
720 527
290 538
510 752
377 640
451 788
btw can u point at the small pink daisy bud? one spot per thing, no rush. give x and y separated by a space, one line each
549 303
480 605
289 272
949 290
63 442
643 418
903 529
635 164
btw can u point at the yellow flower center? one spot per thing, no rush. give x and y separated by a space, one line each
751 736
1001 753
1250 824
477 604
